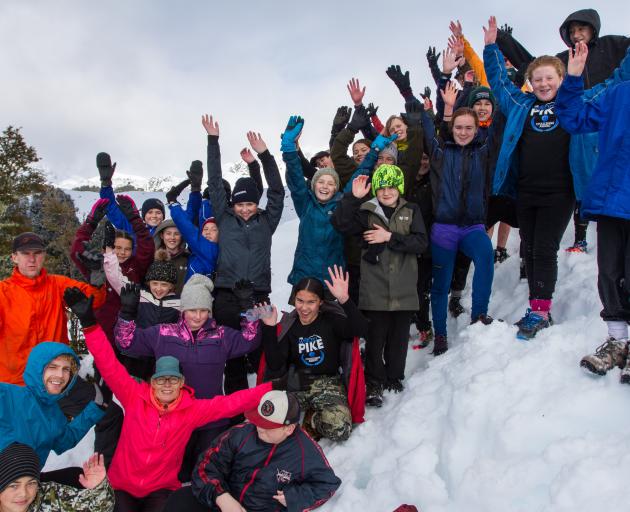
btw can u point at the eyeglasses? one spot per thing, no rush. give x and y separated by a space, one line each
160 381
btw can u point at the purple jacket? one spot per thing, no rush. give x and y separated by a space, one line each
202 359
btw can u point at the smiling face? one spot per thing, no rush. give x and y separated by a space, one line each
307 305
153 217
483 109
123 248
172 239
165 391
464 129
325 188
210 232
29 262
245 210
580 32
19 494
545 82
57 374
359 150
395 125
388 196
160 289
195 318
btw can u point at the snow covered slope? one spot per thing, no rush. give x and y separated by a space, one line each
495 424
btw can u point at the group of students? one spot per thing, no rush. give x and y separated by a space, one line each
176 312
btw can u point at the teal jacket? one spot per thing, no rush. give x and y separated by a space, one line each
30 415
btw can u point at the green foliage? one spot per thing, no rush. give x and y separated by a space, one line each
87 188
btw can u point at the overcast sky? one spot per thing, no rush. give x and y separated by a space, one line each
133 77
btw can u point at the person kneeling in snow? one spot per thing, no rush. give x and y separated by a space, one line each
317 338
235 473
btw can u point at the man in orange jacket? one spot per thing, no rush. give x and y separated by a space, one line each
31 306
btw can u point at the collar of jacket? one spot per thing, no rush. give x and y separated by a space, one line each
185 399
25 282
375 207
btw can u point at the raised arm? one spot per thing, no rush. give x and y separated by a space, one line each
215 185
145 248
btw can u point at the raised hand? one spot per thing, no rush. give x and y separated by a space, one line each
449 95
490 33
175 190
129 301
432 57
381 142
99 209
80 305
93 471
577 59
256 142
212 127
456 44
247 156
291 134
371 110
127 206
378 235
105 169
360 118
342 116
426 94
399 78
506 28
268 313
195 175
109 236
450 60
456 29
360 186
338 284
356 93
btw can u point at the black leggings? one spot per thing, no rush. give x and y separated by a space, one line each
153 502
613 262
541 229
183 500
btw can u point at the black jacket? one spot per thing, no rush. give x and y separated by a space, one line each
604 52
244 247
252 471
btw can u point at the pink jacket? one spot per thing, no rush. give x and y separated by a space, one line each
152 443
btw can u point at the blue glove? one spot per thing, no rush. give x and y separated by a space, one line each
381 142
291 133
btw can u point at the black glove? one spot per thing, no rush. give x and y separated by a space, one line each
341 118
401 80
173 193
292 381
426 94
127 207
92 259
81 306
506 28
109 236
244 291
371 110
99 210
359 119
129 300
413 115
195 175
433 60
105 169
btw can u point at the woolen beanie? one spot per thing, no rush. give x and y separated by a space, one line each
481 93
17 460
392 150
245 191
149 204
197 293
161 269
388 175
324 171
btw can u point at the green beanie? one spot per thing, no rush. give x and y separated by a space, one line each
388 175
482 93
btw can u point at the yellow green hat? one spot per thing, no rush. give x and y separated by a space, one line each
388 175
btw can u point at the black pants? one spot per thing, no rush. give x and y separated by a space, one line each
183 500
424 292
65 476
354 272
386 345
579 223
501 209
153 502
198 443
106 431
542 226
613 262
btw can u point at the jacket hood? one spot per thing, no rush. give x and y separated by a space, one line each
42 354
590 16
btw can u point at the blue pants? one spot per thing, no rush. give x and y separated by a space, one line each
478 247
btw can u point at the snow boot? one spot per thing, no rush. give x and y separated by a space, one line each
484 319
609 354
374 394
500 254
578 247
425 336
455 307
625 373
395 385
531 324
440 345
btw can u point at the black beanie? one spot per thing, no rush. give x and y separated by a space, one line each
17 460
149 204
245 191
161 269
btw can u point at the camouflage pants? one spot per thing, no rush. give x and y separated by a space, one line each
326 400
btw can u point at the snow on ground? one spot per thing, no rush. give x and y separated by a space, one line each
495 424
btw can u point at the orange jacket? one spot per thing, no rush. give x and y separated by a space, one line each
32 311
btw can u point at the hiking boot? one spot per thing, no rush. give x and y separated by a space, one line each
425 336
579 247
500 255
608 355
395 385
455 307
440 344
530 324
374 395
484 319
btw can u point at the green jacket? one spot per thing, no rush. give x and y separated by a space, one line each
54 497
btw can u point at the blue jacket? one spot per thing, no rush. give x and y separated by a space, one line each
608 192
516 106
30 415
203 252
319 245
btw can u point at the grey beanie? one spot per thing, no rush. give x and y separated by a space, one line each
197 293
392 150
321 172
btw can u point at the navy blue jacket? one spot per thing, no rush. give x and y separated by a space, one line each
252 471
